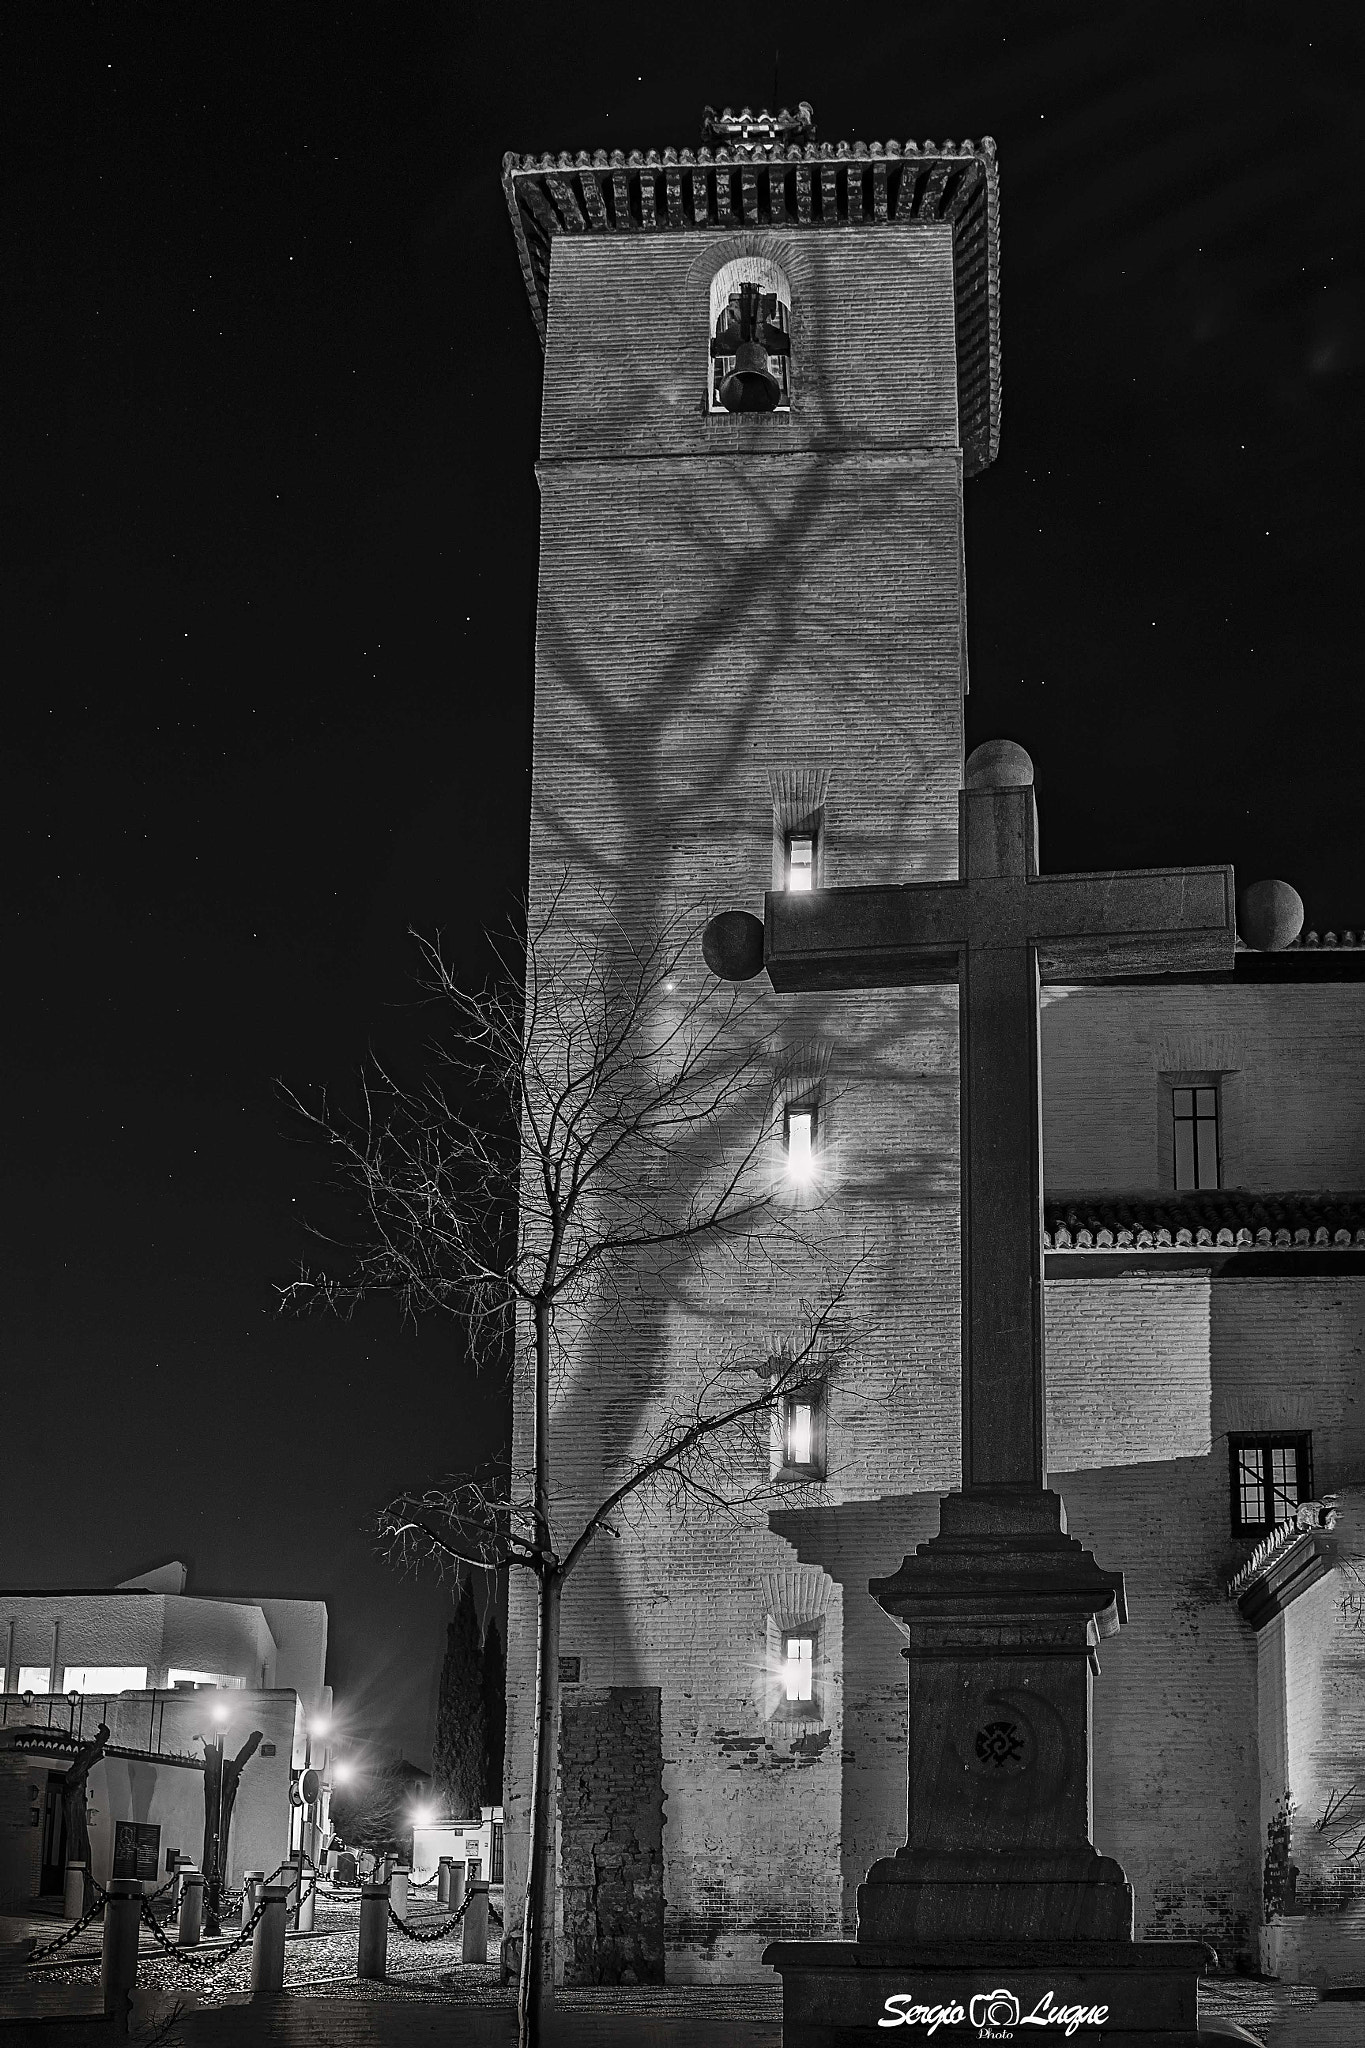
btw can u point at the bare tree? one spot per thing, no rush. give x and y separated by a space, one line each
610 1111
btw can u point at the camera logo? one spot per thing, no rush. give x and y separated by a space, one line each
994 2014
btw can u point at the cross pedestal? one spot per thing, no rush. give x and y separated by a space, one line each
998 1904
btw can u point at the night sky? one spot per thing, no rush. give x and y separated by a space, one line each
269 538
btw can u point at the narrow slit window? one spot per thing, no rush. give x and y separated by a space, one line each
800 1432
801 860
799 1133
798 1653
1195 1112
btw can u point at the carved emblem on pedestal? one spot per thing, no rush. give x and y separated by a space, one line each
1000 1743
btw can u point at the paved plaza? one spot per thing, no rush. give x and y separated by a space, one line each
431 1996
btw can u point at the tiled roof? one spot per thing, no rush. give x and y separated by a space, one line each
797 188
1220 1218
1309 1517
1307 940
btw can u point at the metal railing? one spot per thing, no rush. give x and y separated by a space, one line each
65 1722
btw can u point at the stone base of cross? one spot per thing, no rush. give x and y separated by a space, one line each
998 1893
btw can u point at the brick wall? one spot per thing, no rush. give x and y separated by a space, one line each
611 1835
1293 1103
719 600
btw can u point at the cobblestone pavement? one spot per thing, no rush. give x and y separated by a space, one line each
325 2006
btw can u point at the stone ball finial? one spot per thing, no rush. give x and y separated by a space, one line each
998 764
1270 916
732 945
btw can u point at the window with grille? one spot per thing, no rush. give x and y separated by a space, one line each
1270 1476
1194 1113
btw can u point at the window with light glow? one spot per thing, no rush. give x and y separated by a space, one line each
34 1678
798 1656
799 1121
800 1432
195 1681
799 1435
104 1678
801 860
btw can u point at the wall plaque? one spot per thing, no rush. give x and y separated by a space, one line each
137 1849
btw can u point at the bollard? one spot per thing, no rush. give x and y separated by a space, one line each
305 1900
73 1904
118 1964
475 1948
456 1892
443 1881
191 1907
267 1943
253 1882
398 1890
373 1958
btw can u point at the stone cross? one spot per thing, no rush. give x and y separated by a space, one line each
999 931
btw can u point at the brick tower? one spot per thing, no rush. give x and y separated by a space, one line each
769 366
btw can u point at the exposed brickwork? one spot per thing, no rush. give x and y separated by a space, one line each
611 1859
720 600
1293 1100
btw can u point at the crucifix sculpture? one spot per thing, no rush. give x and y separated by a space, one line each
1002 1609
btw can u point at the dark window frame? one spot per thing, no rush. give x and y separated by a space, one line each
1198 1121
1266 1441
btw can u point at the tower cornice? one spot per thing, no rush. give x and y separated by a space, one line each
812 187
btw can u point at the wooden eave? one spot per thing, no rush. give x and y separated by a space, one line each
857 187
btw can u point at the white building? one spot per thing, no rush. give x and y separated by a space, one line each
165 1670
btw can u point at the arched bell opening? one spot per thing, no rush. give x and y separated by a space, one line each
750 337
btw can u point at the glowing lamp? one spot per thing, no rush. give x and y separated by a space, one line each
342 1774
220 1712
319 1726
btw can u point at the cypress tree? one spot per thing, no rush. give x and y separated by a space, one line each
494 1711
458 1752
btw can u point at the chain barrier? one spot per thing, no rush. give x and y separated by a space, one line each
206 1959
77 1927
437 1933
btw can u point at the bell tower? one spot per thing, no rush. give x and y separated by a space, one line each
771 362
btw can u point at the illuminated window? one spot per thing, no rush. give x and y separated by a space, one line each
104 1678
33 1678
800 860
798 1657
800 1122
1270 1476
799 1435
1195 1115
197 1681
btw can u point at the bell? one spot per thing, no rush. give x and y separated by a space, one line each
751 385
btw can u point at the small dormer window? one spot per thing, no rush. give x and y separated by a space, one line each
750 338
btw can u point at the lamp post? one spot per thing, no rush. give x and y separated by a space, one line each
319 1728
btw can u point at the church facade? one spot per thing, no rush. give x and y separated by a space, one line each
771 368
